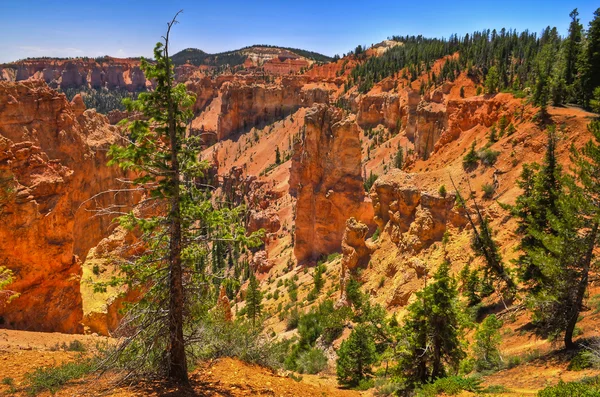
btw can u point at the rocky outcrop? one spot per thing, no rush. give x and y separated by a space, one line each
260 262
53 159
111 73
355 253
245 105
385 109
414 219
326 179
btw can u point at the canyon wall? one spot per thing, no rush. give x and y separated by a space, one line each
53 159
245 104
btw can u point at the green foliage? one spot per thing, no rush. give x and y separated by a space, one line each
356 357
450 386
217 337
560 241
584 359
488 190
430 338
471 158
487 342
104 100
488 156
399 158
253 299
311 361
588 388
470 284
442 191
188 236
492 80
370 181
51 379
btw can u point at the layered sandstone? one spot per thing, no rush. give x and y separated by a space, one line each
326 179
53 160
245 105
110 73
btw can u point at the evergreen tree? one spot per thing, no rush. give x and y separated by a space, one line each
538 203
277 155
253 299
487 342
177 222
356 356
492 81
399 158
431 332
590 64
573 47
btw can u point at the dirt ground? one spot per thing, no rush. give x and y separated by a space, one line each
21 352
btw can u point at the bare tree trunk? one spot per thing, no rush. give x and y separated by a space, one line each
177 364
581 288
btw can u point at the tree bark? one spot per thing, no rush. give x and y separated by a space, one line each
581 288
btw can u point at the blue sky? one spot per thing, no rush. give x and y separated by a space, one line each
131 28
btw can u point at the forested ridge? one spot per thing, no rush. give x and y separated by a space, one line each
557 69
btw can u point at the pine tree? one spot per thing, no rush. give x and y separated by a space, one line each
487 342
492 81
177 222
573 47
356 356
277 155
565 245
538 203
590 60
253 299
431 332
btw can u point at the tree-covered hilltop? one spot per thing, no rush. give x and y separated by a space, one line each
234 58
557 69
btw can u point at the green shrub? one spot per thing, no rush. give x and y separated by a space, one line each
76 346
470 158
450 386
587 388
292 321
370 181
582 360
442 191
311 361
51 379
488 190
488 156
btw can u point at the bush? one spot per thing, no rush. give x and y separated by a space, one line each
586 388
293 319
488 190
470 158
582 360
450 386
311 361
53 378
442 191
488 156
215 337
76 346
